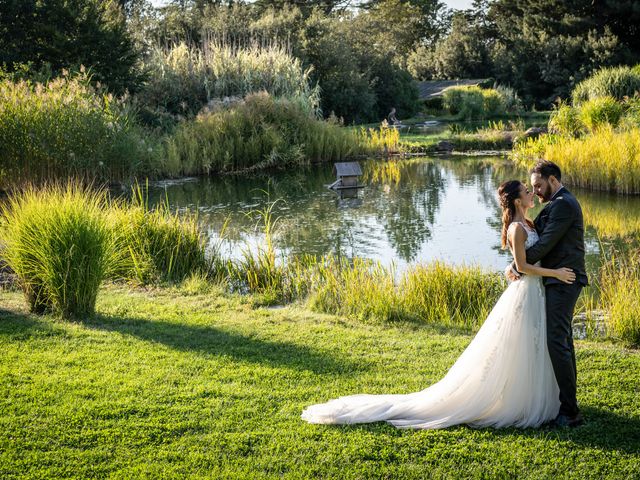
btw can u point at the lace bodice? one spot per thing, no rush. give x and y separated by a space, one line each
532 235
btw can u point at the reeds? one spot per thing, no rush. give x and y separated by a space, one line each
620 297
66 128
606 159
382 140
57 242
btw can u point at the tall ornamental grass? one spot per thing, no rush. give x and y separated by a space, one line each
439 294
620 297
184 78
616 82
156 245
57 242
606 159
454 296
66 128
260 132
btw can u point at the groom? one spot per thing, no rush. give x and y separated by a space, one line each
561 244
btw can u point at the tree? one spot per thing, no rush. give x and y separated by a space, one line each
62 34
461 54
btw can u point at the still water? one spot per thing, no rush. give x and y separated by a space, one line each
412 210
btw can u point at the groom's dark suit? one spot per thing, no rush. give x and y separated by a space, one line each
561 230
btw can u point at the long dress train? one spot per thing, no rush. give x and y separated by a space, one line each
504 377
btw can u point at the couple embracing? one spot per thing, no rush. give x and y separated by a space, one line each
520 368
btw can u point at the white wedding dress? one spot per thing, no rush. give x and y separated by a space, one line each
503 378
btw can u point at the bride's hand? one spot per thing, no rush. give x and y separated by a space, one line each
565 275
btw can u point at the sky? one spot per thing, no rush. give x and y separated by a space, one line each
458 4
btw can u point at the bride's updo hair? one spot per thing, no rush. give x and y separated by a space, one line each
508 192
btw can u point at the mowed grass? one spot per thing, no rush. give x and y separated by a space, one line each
171 383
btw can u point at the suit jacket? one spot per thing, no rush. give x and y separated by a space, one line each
561 229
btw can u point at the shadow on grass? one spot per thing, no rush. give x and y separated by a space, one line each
18 325
603 430
213 341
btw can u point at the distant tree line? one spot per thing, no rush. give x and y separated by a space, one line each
365 54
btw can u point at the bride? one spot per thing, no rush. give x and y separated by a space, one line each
504 377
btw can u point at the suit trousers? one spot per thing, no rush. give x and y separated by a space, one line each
560 302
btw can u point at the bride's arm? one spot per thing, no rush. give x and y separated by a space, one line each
517 237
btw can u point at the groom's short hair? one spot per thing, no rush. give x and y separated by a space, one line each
545 169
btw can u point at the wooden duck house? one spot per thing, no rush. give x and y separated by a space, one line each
347 174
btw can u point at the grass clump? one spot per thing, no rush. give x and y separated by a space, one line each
66 128
381 140
57 242
260 132
436 294
157 245
360 289
599 112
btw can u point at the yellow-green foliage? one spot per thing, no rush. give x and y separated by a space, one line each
259 132
599 112
66 128
57 242
620 296
441 294
381 140
435 293
156 245
604 160
565 120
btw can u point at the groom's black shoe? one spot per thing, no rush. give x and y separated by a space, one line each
565 421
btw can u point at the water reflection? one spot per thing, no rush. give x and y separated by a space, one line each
413 210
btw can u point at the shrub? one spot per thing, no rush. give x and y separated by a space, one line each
474 102
493 103
616 82
260 132
67 128
599 112
57 242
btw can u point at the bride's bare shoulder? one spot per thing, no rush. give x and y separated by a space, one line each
516 233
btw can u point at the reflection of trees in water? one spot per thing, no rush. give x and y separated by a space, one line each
398 206
407 208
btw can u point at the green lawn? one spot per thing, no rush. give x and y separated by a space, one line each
163 383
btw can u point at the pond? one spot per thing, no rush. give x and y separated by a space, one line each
410 210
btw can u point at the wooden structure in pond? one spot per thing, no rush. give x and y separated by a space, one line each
347 174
